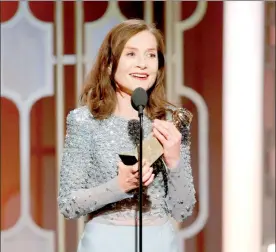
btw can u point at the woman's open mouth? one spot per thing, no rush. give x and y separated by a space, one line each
139 76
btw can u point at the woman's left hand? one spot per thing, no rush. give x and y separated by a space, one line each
170 138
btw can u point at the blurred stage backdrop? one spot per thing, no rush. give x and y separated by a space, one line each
47 48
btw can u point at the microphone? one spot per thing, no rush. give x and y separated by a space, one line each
139 100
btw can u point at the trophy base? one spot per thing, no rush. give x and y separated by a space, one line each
152 150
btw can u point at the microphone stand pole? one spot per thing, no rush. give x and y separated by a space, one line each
140 176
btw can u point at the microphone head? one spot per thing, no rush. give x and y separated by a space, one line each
139 98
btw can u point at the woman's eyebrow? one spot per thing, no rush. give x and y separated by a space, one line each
134 48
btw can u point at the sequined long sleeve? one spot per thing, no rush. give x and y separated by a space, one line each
80 192
181 191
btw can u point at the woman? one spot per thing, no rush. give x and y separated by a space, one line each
93 180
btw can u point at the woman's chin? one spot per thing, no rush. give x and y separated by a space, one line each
129 90
145 87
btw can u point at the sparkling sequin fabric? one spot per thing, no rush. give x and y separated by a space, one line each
88 176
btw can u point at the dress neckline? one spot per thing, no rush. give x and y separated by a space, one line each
125 119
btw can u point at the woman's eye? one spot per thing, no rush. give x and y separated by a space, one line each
151 55
130 54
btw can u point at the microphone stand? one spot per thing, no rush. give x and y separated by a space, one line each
140 113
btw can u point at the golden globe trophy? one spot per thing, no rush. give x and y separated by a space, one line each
152 148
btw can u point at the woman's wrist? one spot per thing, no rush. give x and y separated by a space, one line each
121 185
172 164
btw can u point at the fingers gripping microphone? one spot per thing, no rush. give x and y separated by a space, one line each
139 100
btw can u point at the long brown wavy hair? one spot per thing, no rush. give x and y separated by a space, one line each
99 92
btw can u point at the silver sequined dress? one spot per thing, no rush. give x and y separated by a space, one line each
88 176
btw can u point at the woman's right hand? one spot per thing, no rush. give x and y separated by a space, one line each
128 176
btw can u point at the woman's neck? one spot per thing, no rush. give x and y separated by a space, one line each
124 107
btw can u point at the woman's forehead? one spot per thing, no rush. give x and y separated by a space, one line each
144 39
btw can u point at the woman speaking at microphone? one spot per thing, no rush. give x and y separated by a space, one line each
94 181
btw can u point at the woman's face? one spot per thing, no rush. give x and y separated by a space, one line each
138 64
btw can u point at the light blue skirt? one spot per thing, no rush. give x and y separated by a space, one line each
99 237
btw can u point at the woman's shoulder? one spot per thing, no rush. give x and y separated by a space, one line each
79 115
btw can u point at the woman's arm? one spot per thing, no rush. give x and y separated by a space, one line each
181 191
76 197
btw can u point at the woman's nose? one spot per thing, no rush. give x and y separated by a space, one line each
142 62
